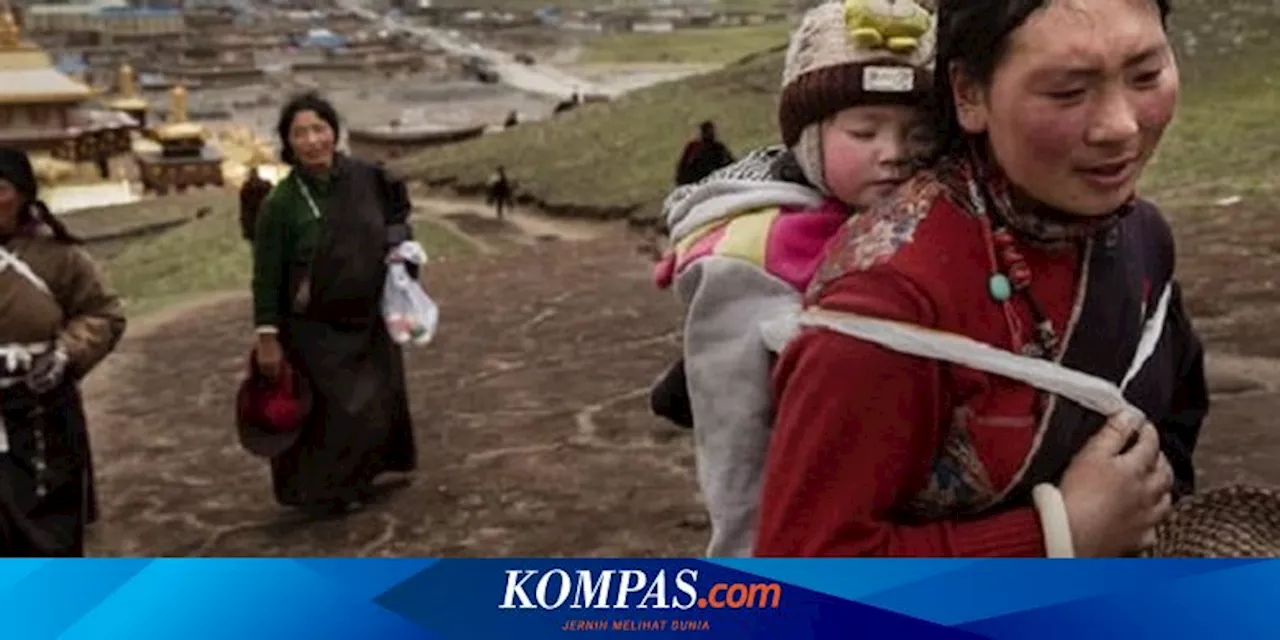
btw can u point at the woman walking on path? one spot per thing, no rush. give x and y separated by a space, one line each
320 259
58 320
1025 235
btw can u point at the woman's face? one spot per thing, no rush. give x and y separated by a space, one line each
1078 104
10 202
312 140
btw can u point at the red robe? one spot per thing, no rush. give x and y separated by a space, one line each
876 453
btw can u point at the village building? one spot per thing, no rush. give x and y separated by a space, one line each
381 144
210 67
105 22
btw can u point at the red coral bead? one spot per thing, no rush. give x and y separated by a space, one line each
1020 276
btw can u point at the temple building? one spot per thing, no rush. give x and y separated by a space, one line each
48 113
181 158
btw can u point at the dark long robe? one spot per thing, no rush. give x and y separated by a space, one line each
47 473
333 334
44 498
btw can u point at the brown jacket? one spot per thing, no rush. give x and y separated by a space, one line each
83 314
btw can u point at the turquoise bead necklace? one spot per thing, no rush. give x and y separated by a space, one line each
1012 276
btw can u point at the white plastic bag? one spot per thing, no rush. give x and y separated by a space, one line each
411 315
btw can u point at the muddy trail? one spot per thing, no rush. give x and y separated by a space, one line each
530 412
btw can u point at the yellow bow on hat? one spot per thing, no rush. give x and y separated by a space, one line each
895 25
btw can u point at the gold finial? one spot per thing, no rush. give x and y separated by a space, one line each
10 37
178 112
124 82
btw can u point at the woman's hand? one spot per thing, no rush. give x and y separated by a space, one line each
47 371
394 257
268 355
1115 497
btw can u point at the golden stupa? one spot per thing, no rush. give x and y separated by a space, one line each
127 98
10 38
178 127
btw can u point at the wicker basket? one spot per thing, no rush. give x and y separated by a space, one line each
1237 521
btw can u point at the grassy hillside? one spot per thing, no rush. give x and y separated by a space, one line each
699 46
207 256
617 158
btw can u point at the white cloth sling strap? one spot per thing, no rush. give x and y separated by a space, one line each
18 355
14 357
1088 390
10 260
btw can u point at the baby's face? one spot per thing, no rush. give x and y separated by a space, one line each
867 151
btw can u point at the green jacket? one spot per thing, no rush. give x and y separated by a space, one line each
288 231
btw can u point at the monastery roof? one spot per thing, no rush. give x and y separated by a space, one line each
27 85
27 73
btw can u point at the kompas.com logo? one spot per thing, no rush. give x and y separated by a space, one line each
631 589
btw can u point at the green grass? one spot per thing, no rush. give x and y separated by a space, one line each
101 221
208 256
1225 140
620 156
690 46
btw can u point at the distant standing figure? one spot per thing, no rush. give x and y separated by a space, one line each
513 119
501 194
252 194
702 156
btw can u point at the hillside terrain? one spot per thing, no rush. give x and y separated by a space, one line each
530 407
617 160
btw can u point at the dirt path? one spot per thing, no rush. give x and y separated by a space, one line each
530 412
520 226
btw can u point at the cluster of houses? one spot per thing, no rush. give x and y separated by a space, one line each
620 18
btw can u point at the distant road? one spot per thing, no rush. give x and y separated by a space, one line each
534 78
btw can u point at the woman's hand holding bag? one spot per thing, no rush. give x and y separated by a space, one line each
268 355
410 314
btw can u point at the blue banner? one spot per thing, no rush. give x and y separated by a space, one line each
534 599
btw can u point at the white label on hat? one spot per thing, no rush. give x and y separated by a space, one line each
888 79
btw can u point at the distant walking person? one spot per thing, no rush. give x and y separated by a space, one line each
58 320
702 156
252 194
320 254
501 193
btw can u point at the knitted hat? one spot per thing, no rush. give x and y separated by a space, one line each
853 53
